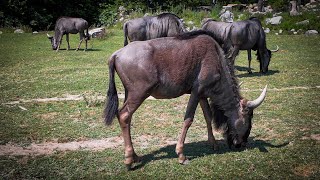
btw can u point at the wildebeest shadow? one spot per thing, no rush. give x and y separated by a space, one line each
199 149
80 50
241 68
257 74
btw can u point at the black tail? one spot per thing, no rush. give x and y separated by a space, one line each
125 31
111 108
88 35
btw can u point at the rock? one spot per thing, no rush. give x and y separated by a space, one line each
305 22
35 32
274 21
267 30
1 32
97 32
227 16
280 31
295 33
311 32
18 31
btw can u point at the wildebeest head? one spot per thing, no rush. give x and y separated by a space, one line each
53 42
237 125
265 59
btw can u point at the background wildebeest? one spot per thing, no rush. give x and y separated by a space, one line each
192 63
151 27
66 25
241 35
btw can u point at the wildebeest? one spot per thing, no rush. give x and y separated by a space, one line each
191 63
66 25
242 35
151 27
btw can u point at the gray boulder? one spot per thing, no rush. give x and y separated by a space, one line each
97 32
274 21
18 31
311 32
305 22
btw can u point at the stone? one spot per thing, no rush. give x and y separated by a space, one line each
18 31
227 16
97 32
267 30
274 21
311 32
305 22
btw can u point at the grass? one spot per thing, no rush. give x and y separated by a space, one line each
280 147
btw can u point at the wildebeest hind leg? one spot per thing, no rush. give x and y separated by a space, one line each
208 117
134 100
249 61
188 119
67 38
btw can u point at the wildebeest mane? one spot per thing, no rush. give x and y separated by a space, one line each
164 15
224 62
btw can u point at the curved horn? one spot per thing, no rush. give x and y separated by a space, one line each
49 35
240 84
275 49
255 103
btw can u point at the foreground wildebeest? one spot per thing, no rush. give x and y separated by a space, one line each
151 27
242 35
66 25
191 63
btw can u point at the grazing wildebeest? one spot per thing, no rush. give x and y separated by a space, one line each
66 25
151 27
242 35
191 63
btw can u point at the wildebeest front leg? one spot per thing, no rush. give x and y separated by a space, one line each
208 117
188 119
233 54
79 45
249 61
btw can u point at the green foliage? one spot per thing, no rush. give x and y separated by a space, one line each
108 14
279 5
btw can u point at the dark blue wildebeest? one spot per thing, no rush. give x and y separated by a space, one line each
67 25
168 67
242 35
151 27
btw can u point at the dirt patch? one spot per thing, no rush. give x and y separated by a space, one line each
80 97
52 147
48 148
315 137
305 170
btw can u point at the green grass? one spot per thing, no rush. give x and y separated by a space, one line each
280 146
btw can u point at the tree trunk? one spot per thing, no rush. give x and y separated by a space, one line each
260 5
294 11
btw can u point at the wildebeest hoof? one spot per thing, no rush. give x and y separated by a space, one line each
215 147
184 162
129 167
